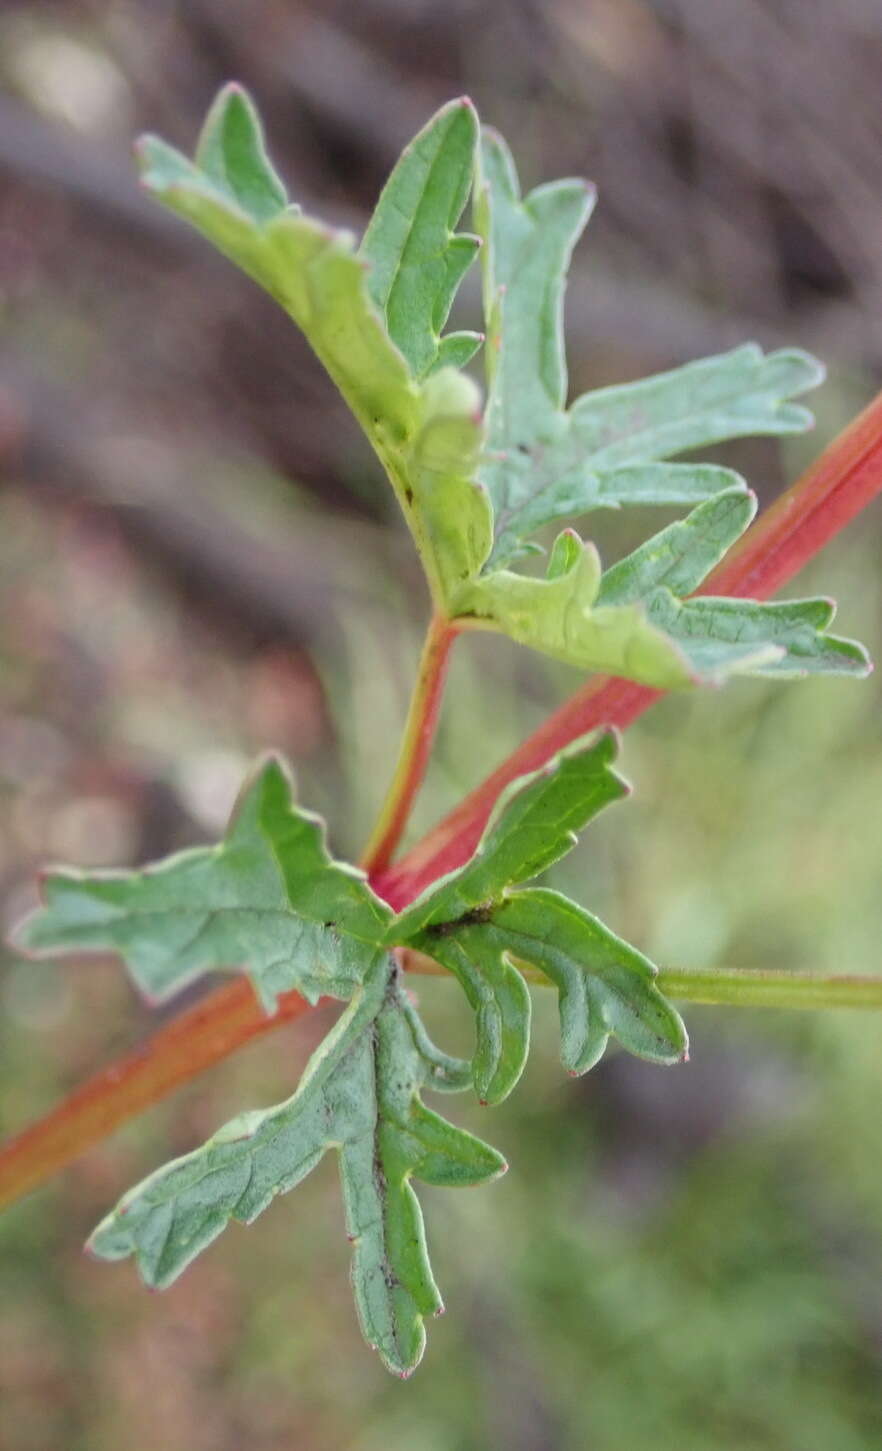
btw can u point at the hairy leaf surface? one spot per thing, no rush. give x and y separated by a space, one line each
361 1095
268 900
545 463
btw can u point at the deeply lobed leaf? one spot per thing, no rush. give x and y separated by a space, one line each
606 986
269 900
477 925
361 1095
545 462
269 897
426 435
631 620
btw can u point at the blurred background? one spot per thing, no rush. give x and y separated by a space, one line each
199 559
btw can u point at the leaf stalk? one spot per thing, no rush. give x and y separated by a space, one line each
416 745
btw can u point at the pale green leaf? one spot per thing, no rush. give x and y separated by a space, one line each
787 639
545 463
731 395
361 1095
451 518
416 258
559 615
722 637
268 900
533 824
681 557
427 436
631 623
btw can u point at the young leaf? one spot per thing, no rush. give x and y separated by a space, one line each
560 617
416 259
361 1095
720 637
450 513
544 463
631 622
232 153
269 899
426 436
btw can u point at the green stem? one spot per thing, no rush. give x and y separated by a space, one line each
749 988
416 745
734 987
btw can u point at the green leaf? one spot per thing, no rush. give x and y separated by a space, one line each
269 899
416 259
731 395
451 518
606 987
312 271
722 637
544 463
361 1095
630 622
533 824
681 557
477 926
559 616
787 639
426 436
232 153
499 998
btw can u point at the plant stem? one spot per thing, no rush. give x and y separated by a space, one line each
833 490
732 987
196 1039
748 988
416 745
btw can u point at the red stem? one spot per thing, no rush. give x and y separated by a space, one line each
416 745
833 490
199 1037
